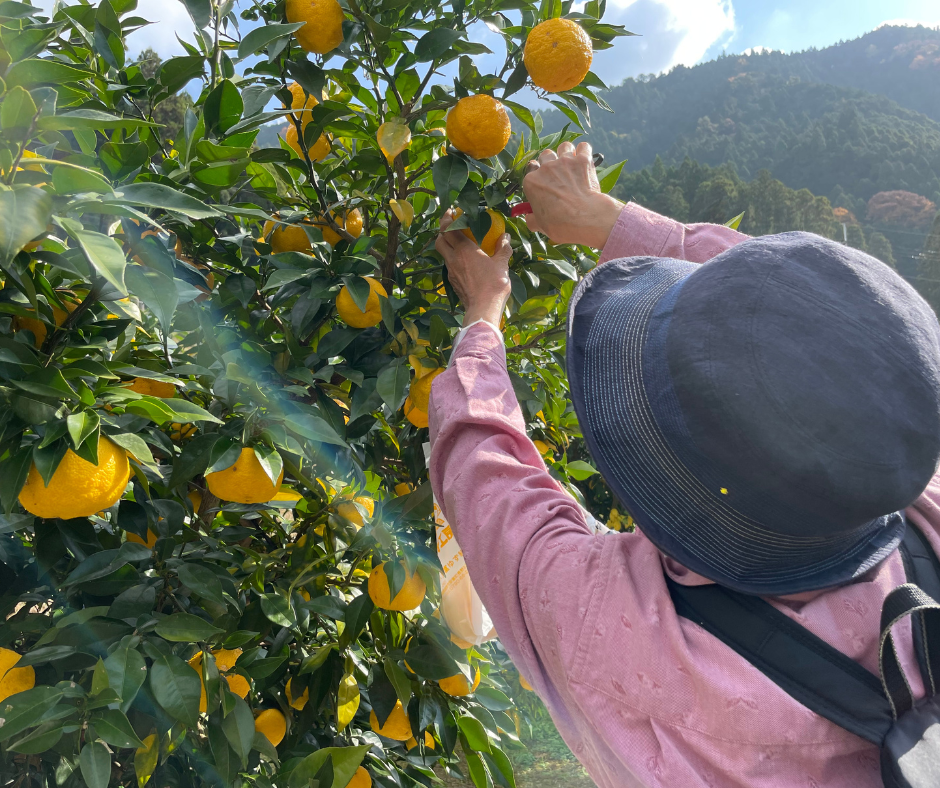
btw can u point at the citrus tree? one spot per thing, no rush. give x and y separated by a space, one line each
217 556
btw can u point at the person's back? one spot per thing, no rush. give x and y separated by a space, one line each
642 696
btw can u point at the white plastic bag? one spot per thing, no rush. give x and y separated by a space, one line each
461 608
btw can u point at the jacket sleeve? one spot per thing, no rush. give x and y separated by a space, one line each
640 232
516 525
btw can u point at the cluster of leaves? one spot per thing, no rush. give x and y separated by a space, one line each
127 254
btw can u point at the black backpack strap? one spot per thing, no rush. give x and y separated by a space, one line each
922 568
807 668
908 600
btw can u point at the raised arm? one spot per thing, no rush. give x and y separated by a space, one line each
569 207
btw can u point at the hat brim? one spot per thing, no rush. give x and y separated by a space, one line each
618 323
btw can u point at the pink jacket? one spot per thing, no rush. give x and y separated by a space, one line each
641 696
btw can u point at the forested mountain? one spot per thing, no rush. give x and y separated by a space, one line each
821 120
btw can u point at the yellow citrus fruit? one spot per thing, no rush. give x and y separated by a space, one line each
397 726
420 392
317 152
360 779
195 662
558 54
180 432
428 742
152 388
414 414
403 488
408 598
479 126
225 658
301 100
150 542
351 513
238 684
297 703
271 724
352 223
244 482
38 327
195 498
352 315
286 237
78 488
323 31
458 686
497 228
525 684
13 679
544 449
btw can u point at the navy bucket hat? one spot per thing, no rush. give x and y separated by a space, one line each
765 416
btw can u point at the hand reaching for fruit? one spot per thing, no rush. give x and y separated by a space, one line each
566 198
481 281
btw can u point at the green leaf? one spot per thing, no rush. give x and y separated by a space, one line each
25 709
105 254
96 566
270 460
114 727
432 662
223 107
36 71
450 176
478 771
312 427
88 119
185 628
516 82
735 223
126 674
77 180
177 688
24 213
523 113
18 110
392 381
278 610
134 445
156 290
13 473
580 470
202 581
474 732
156 195
95 761
200 11
145 759
399 680
345 762
608 176
81 425
435 43
239 729
45 737
260 37
357 615
309 76
176 72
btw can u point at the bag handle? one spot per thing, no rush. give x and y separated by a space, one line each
903 601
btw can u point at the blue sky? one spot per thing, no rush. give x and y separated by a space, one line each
672 31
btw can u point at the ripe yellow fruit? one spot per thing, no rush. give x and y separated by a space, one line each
420 392
13 679
296 703
397 726
286 237
38 327
408 598
244 482
479 126
428 742
238 684
152 388
497 228
558 55
195 498
180 432
317 152
352 223
351 513
544 449
403 488
150 542
78 488
458 686
225 658
414 414
323 31
271 724
300 100
360 779
352 315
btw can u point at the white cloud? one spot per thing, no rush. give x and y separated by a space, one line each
169 18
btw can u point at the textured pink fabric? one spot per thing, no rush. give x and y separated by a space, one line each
641 696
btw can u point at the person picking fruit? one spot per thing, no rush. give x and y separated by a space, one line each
767 410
